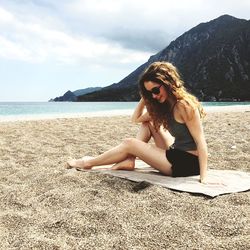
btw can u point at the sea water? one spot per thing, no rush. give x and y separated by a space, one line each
22 109
49 108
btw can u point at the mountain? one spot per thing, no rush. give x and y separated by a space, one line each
86 91
213 58
67 97
72 96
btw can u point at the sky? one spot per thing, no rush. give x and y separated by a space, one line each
48 47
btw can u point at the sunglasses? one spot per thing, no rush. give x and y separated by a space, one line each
155 90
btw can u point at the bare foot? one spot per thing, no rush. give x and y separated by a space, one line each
128 164
78 164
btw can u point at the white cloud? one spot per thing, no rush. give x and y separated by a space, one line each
35 42
12 50
96 6
5 16
158 22
107 31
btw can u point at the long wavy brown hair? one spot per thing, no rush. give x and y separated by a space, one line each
167 74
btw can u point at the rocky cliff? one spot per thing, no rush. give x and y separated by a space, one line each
72 96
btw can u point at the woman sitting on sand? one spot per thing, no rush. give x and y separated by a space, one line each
170 112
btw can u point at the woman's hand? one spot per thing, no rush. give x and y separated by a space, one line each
211 182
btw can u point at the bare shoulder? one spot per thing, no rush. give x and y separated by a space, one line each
185 110
183 107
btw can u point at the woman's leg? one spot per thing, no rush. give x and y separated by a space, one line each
152 155
127 163
143 134
162 139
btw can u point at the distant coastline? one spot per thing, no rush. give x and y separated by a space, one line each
21 111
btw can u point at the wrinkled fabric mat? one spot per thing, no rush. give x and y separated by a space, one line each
219 181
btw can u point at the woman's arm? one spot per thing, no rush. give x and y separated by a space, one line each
195 127
139 114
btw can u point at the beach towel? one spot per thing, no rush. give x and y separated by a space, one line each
219 181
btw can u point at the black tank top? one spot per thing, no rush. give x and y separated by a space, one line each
183 139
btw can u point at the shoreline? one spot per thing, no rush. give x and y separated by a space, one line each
111 113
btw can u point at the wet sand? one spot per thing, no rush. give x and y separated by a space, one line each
45 206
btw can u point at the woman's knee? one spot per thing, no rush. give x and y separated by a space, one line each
129 143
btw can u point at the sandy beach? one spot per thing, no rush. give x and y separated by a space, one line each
45 206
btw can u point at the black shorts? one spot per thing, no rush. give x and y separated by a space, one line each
183 163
